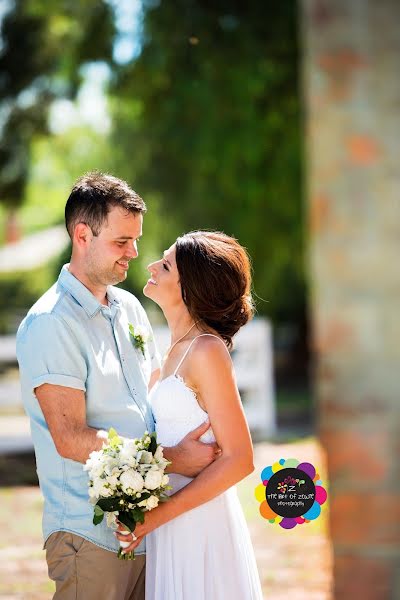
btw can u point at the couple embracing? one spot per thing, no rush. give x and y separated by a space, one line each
81 375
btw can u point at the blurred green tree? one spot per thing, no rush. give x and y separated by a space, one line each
43 45
208 120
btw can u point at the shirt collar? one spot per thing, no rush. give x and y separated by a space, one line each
112 297
81 293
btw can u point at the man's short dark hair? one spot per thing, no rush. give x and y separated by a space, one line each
93 196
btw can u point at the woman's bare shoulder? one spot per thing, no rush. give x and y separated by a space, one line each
210 351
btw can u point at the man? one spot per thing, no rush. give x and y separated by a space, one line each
80 375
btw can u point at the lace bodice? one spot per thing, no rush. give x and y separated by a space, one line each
176 411
204 553
175 408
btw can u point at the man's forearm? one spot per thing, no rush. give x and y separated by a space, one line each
78 444
172 454
180 463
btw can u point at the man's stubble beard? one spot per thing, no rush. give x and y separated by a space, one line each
100 274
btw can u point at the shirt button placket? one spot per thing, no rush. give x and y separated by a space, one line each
122 358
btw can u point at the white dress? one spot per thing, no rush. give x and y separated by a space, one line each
205 553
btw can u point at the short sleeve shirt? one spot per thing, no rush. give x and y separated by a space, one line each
69 338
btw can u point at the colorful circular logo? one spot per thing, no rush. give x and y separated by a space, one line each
291 493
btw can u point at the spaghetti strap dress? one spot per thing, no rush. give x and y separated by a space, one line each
205 553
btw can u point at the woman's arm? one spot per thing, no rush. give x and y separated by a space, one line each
211 372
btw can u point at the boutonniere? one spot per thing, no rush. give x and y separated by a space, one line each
139 336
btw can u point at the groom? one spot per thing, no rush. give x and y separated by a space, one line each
80 375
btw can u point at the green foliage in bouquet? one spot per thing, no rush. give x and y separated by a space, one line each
126 479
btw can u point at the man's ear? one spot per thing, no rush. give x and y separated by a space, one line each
82 234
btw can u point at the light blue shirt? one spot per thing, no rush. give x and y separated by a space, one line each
68 338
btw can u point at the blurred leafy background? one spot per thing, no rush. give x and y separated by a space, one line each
195 103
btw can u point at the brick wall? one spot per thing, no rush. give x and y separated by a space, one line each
351 76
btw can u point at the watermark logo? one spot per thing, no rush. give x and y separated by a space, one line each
291 493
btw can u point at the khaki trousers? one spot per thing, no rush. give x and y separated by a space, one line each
84 571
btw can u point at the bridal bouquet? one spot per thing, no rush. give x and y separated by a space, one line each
126 479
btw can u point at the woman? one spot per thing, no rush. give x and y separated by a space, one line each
198 545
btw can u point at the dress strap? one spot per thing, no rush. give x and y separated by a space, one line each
191 344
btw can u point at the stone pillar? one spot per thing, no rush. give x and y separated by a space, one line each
351 82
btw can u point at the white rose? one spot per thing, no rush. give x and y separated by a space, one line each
96 472
92 494
105 492
153 480
142 332
129 446
127 458
158 455
114 472
132 481
94 464
165 480
112 480
111 465
146 457
97 488
162 464
94 457
152 502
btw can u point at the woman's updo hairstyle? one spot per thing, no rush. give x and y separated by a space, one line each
215 278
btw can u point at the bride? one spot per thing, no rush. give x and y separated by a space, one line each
198 545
